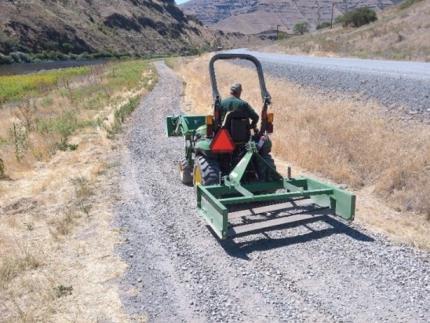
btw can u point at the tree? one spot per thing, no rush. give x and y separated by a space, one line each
323 25
301 28
357 17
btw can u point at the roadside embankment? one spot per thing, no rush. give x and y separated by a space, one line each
60 157
40 112
384 160
401 33
398 87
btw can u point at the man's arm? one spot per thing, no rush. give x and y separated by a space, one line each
252 115
223 109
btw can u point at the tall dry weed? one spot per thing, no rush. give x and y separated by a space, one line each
13 265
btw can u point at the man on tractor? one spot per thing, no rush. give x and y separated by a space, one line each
236 115
235 104
233 170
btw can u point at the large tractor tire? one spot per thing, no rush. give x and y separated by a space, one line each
206 171
185 172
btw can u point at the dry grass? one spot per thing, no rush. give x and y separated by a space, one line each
346 141
398 34
34 130
57 258
81 205
62 214
63 224
13 266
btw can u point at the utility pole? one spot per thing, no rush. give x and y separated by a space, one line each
332 14
277 31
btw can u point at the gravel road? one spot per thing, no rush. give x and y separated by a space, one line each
178 272
395 84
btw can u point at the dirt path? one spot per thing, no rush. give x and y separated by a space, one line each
178 271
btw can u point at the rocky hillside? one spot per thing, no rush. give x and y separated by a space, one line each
255 16
402 32
97 26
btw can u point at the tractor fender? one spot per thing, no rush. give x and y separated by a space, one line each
203 146
201 131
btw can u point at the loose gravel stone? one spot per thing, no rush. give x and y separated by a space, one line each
323 272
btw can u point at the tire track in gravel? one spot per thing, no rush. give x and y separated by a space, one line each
178 272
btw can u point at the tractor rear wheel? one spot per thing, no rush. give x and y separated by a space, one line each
185 172
206 171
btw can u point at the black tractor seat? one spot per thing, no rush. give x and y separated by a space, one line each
238 125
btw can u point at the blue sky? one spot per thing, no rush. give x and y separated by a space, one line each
181 1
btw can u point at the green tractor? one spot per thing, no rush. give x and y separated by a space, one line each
238 188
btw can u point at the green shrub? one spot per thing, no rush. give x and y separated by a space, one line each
83 56
6 59
45 55
121 114
39 56
63 57
67 47
103 55
64 125
62 291
20 138
2 171
301 28
323 25
73 56
357 17
20 57
53 56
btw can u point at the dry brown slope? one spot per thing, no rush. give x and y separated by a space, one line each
252 16
398 34
118 26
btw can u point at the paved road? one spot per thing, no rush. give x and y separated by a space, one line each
318 271
395 84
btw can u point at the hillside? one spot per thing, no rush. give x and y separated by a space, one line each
255 16
401 32
114 26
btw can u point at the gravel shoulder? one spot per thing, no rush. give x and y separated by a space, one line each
179 272
397 85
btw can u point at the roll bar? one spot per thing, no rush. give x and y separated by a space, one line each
265 96
215 93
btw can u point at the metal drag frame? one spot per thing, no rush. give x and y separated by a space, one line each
214 202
